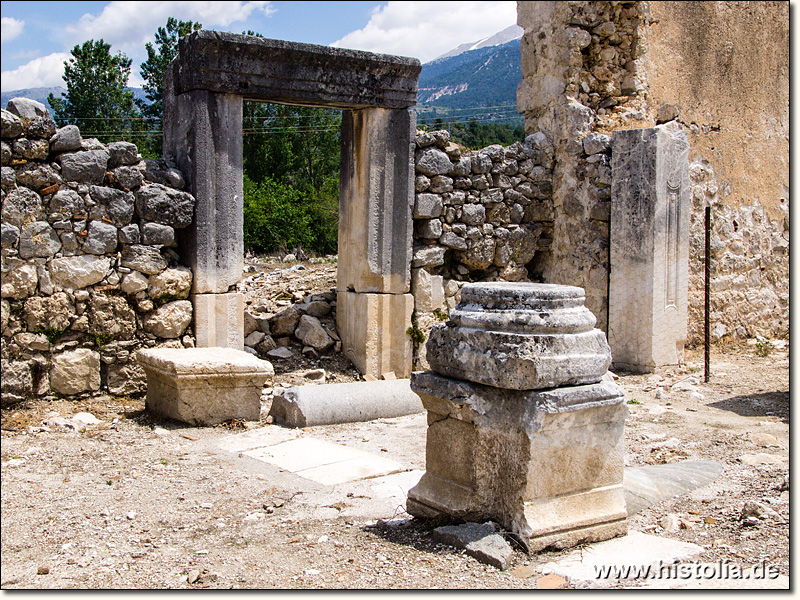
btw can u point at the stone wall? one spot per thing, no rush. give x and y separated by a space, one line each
89 270
718 70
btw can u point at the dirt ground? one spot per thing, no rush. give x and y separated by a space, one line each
137 502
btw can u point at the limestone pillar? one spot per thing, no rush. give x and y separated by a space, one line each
203 134
649 254
219 320
525 426
376 197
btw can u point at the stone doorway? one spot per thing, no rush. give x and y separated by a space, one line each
210 78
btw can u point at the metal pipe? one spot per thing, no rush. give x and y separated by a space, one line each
707 332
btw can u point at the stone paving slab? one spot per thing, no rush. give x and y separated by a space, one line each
636 550
397 485
257 438
323 462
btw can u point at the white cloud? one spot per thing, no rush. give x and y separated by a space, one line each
426 30
10 28
46 71
128 25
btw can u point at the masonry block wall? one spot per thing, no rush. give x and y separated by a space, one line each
89 268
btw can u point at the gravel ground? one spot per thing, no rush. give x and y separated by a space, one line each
135 502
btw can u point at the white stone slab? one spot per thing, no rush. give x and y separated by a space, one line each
323 462
257 438
635 549
397 485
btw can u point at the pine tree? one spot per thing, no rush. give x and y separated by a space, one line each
97 99
158 58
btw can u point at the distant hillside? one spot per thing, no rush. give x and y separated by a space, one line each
41 94
486 77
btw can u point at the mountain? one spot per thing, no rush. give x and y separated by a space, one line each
41 94
480 83
509 33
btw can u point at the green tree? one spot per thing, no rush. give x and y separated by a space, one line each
97 99
158 58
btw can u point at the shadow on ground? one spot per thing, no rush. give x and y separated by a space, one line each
757 405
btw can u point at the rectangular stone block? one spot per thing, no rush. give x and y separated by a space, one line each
428 290
376 196
649 254
204 386
296 73
373 331
546 464
219 320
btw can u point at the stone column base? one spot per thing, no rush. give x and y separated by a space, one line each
546 464
373 331
219 320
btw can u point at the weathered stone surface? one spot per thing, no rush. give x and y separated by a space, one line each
129 234
101 238
373 331
318 308
122 154
648 286
170 283
48 313
146 259
126 379
473 214
429 229
204 386
77 272
164 205
480 541
38 239
155 234
84 167
520 336
648 485
309 406
285 322
40 127
128 177
159 171
479 254
8 178
219 320
427 206
10 124
433 161
428 290
17 381
596 142
20 282
297 73
67 204
21 206
428 256
311 333
75 371
543 475
37 176
134 282
27 108
170 320
65 139
111 317
376 201
9 235
116 205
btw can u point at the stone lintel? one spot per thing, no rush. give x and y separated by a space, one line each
649 250
546 464
376 198
204 386
219 320
294 73
373 331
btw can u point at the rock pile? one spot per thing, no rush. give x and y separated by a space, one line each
89 269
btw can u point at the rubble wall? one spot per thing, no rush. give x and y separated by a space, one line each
89 270
718 70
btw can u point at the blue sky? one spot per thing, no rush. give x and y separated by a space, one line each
37 36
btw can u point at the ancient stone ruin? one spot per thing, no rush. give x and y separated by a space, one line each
525 428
